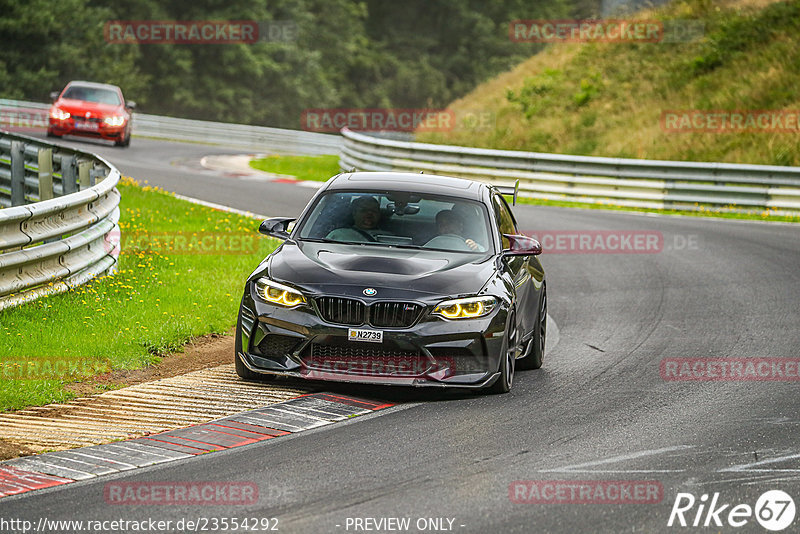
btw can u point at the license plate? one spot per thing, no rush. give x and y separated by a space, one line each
361 334
86 125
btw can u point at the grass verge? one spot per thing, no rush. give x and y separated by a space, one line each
180 276
316 168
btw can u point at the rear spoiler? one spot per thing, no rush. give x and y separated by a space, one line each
510 191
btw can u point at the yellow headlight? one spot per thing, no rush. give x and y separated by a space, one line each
467 308
279 294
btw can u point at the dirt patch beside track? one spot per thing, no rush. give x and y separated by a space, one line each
200 353
189 388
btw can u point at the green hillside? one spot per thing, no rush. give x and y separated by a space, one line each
608 99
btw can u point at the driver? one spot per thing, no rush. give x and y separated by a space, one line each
366 212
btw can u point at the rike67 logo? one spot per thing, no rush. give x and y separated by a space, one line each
774 510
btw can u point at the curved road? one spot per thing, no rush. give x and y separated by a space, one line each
598 410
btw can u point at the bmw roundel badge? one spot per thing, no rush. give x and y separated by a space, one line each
370 292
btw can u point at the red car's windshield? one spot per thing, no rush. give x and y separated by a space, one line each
92 94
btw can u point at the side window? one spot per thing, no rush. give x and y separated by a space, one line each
504 218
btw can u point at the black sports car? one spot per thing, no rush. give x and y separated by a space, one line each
396 278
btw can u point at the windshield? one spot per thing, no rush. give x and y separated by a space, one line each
92 94
398 219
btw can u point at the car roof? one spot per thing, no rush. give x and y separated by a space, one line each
94 85
408 181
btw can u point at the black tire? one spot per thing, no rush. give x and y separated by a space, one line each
125 141
508 359
535 359
243 371
50 133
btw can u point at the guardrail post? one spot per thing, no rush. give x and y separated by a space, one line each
83 174
45 173
17 173
94 174
68 179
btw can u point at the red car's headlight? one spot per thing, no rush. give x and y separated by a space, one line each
116 120
58 114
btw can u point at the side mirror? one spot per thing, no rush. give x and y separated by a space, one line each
54 95
276 227
522 245
130 104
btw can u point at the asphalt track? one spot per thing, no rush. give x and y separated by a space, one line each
598 409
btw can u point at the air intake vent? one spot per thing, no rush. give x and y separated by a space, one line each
371 361
274 345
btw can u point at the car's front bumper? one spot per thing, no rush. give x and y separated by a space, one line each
102 130
431 352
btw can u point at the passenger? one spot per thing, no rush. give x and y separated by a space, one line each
450 226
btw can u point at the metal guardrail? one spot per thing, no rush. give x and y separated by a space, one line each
237 135
59 222
627 182
32 117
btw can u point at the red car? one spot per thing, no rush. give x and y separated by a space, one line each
91 110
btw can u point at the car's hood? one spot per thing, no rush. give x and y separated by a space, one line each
95 109
393 272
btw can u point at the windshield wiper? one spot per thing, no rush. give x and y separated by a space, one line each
325 240
415 247
457 251
316 240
